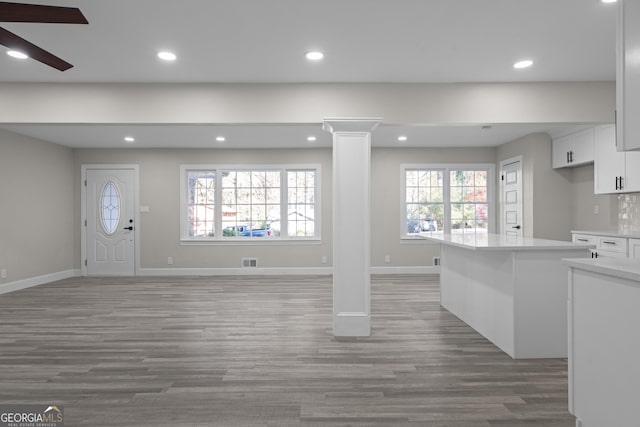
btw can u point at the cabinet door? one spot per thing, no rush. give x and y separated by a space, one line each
609 162
634 248
628 75
560 151
573 150
581 152
631 182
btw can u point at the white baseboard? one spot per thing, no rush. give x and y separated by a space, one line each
270 271
276 271
405 270
39 280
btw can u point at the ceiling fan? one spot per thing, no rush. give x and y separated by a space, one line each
21 12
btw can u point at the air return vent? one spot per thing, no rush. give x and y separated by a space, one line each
249 262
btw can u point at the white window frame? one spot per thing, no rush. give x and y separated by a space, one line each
219 239
446 168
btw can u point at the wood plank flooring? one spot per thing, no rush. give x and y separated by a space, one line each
258 351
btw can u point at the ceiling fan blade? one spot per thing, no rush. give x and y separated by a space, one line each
21 12
12 41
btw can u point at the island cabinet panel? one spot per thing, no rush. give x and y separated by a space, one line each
513 291
489 308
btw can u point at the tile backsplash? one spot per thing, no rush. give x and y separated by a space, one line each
629 212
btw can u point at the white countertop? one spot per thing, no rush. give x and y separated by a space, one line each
500 242
609 233
623 268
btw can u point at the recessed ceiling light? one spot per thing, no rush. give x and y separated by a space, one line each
167 56
523 64
311 138
129 139
608 1
402 138
314 55
17 54
220 138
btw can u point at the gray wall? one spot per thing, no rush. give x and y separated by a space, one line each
42 236
40 188
36 208
583 201
385 201
395 103
160 191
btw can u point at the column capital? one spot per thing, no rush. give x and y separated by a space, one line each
351 124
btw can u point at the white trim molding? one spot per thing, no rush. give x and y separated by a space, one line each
249 271
427 269
38 280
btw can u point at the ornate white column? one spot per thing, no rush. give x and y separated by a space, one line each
351 225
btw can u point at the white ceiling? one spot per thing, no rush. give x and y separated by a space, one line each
363 41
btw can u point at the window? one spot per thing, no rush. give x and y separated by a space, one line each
424 200
110 208
201 197
447 199
236 203
469 203
301 203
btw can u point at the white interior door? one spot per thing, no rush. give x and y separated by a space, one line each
110 236
511 197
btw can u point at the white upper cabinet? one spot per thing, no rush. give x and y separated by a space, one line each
609 162
573 150
628 75
614 171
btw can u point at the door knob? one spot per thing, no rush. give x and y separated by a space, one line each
129 228
516 227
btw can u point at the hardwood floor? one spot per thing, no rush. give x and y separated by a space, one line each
258 351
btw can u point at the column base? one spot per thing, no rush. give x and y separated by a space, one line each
351 325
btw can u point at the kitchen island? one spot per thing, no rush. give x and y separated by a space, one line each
512 290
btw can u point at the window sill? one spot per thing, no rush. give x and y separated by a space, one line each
254 241
414 240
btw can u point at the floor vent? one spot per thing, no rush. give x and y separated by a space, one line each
249 262
436 261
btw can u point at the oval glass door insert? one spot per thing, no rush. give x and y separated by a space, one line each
110 207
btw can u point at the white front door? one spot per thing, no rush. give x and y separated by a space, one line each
110 209
511 197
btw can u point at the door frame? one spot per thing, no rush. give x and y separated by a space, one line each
83 210
521 189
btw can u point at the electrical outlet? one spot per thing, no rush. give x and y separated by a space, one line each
170 260
3 273
324 259
387 258
596 209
